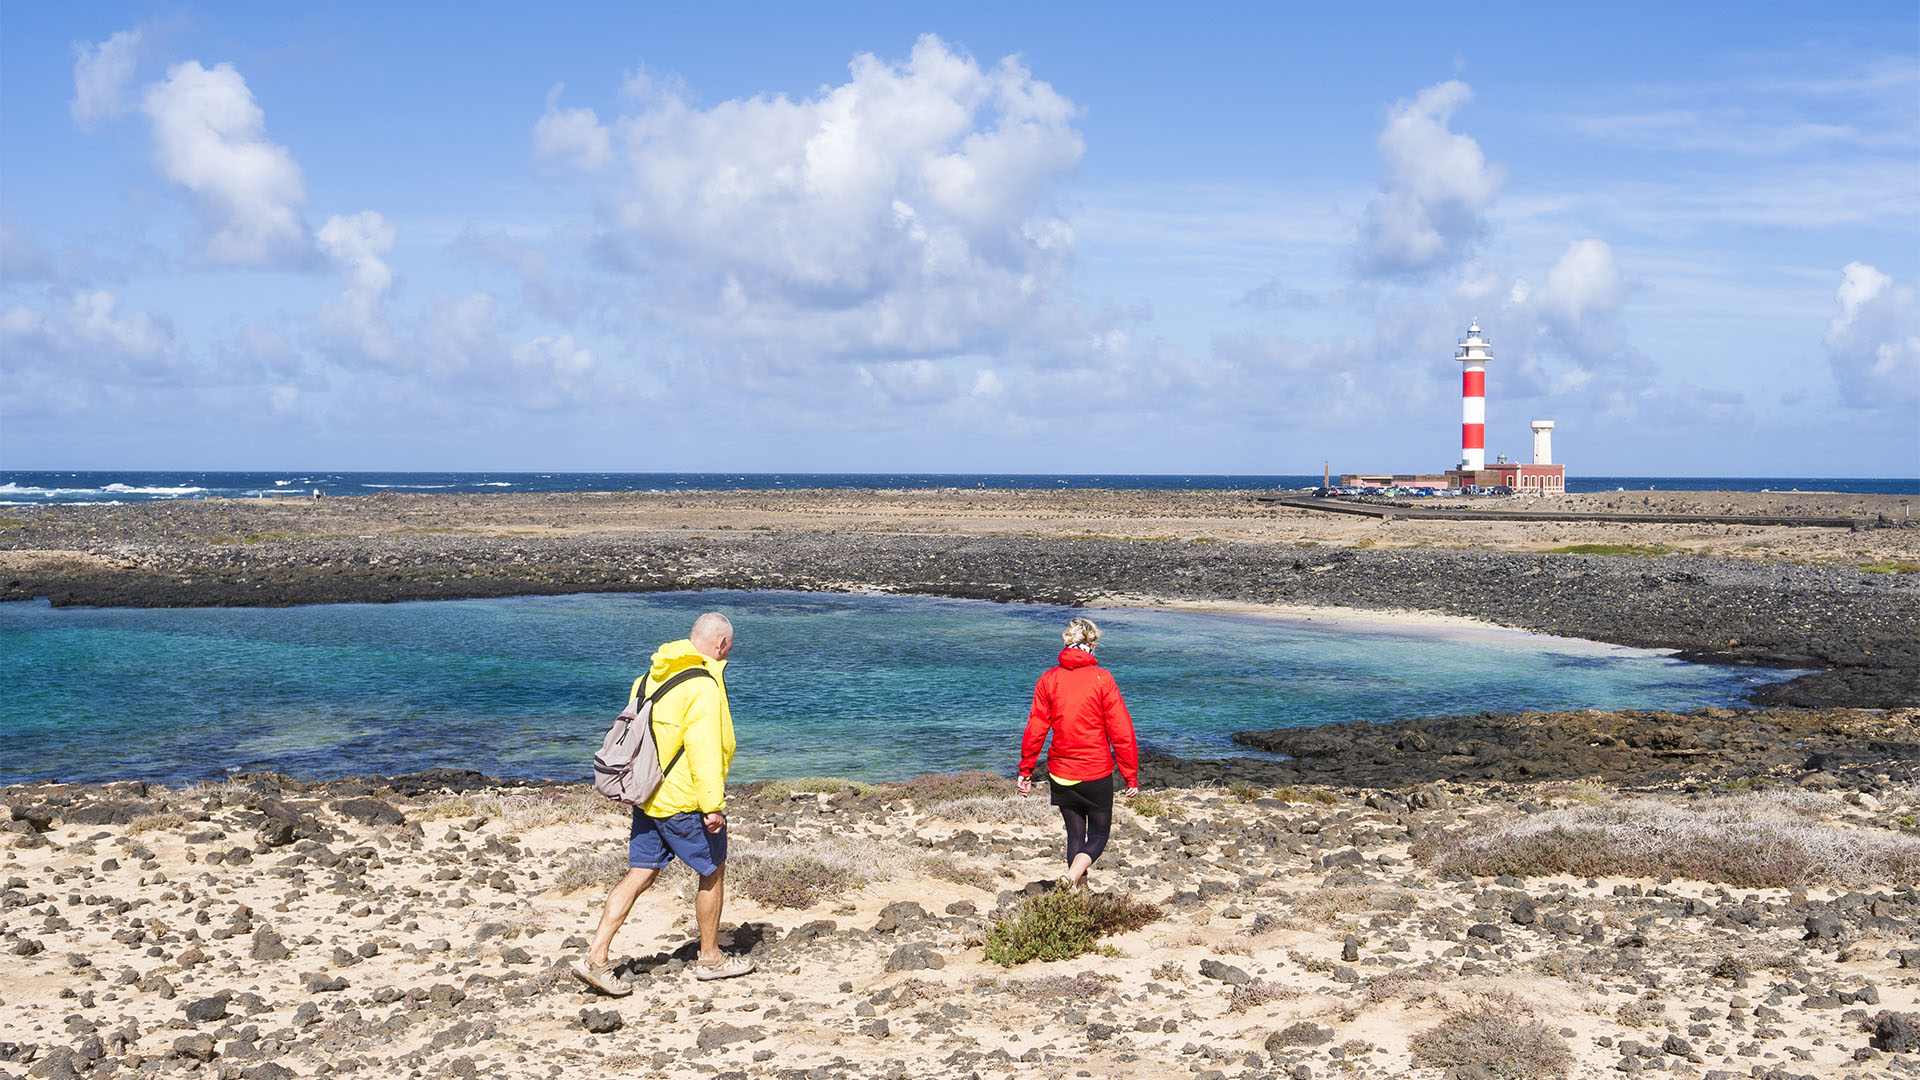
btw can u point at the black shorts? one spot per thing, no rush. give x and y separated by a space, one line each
1087 796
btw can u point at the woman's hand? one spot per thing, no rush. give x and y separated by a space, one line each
1026 786
1132 791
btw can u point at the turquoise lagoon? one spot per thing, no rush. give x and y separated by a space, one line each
874 687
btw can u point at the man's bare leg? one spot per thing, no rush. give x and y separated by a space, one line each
619 904
706 910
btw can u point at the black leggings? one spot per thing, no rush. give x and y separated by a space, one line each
1087 809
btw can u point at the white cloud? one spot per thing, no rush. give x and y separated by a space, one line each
572 137
100 77
1433 201
1581 299
78 335
553 372
210 138
909 382
1873 344
986 383
900 214
355 246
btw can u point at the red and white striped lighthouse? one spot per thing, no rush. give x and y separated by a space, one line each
1473 357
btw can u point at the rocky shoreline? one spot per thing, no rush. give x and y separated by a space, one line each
268 928
1861 628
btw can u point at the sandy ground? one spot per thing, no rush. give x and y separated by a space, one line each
1300 936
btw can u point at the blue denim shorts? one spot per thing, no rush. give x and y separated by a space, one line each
655 842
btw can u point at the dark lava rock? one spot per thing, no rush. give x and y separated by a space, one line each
723 1034
268 945
1822 928
108 813
1486 932
195 1047
370 811
271 1070
57 1065
1522 913
898 914
206 1010
1896 1033
1302 1033
1226 973
915 956
601 1021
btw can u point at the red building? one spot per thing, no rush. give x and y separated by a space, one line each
1536 478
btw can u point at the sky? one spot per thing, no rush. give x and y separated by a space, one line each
1107 238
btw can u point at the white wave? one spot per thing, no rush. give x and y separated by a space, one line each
10 488
122 489
493 483
281 483
411 486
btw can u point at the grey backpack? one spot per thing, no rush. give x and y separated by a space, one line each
627 769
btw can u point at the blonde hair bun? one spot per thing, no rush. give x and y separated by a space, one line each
1082 633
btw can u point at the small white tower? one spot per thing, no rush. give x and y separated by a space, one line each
1543 442
1473 356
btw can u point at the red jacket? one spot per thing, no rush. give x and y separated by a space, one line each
1080 704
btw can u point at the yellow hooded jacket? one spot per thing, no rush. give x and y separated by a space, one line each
694 715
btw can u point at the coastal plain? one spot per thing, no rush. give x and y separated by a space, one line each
1729 892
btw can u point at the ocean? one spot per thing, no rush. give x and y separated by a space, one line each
866 686
28 488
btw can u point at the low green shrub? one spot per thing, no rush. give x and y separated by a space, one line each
1063 924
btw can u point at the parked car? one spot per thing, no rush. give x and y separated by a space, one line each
1500 489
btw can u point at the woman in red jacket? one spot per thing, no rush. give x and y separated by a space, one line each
1079 703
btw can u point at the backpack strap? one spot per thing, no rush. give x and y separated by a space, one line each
660 692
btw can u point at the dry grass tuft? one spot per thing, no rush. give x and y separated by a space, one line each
801 875
1252 995
995 810
948 868
815 785
1412 984
1147 804
1762 841
1494 1039
524 811
164 819
933 789
1085 986
586 869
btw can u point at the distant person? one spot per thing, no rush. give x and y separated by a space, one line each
686 818
1080 704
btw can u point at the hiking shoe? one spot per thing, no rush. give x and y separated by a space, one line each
600 977
730 968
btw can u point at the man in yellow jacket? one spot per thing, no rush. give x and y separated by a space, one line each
686 818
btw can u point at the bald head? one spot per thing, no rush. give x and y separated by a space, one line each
712 635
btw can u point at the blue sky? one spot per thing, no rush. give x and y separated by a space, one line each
981 237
